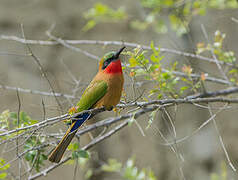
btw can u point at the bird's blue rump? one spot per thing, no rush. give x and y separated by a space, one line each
80 120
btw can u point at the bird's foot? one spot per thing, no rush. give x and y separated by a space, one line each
108 108
73 110
117 110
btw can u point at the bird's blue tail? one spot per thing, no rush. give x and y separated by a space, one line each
58 152
80 120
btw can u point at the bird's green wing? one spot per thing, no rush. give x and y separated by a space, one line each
94 92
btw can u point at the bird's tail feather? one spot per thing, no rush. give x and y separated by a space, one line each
58 152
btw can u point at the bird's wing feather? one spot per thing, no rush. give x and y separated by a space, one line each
94 92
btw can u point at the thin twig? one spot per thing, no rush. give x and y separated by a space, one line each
180 140
214 56
222 143
44 93
17 140
64 43
13 54
37 60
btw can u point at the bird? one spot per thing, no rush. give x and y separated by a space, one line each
103 91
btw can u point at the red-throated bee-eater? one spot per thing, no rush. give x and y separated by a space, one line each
103 91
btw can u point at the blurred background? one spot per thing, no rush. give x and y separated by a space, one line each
199 157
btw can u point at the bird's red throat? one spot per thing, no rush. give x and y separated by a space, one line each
114 67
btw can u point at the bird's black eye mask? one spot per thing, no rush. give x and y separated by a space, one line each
112 57
107 62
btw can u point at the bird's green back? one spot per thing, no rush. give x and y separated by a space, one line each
94 92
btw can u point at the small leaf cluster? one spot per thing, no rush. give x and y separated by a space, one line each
128 171
151 69
78 155
222 175
3 168
217 48
10 120
35 152
81 157
159 15
180 13
33 145
190 84
77 152
24 119
4 120
102 13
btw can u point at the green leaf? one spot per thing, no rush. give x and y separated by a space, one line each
151 175
139 25
88 174
24 119
102 13
80 154
184 88
112 166
90 25
35 157
3 175
83 154
4 116
73 146
3 168
161 27
177 24
101 8
3 165
133 62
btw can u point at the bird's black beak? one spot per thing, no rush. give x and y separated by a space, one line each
116 56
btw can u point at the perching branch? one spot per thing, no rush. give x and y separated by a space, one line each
188 100
144 109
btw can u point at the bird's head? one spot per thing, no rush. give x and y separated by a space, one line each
110 62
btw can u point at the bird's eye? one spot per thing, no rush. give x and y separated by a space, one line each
105 64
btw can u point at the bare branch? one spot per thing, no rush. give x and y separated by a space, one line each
44 93
197 76
64 43
105 43
166 102
222 92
